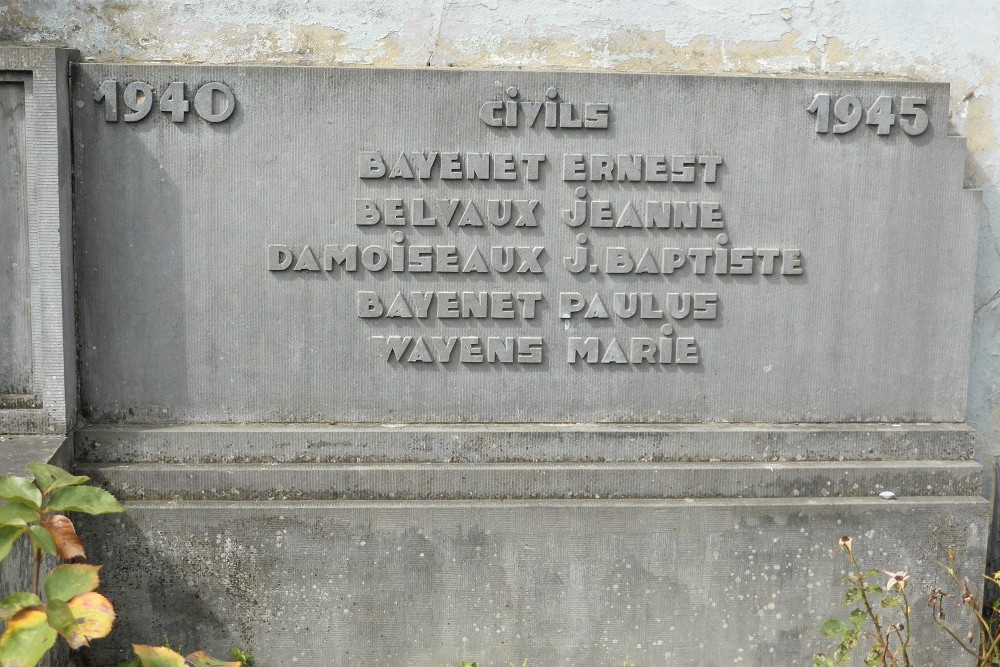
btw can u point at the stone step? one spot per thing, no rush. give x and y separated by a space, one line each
502 443
19 402
24 421
493 481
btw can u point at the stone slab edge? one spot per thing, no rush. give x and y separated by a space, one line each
370 443
495 481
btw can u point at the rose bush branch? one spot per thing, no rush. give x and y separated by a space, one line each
890 641
66 604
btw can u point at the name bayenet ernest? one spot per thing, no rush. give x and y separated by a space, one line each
403 256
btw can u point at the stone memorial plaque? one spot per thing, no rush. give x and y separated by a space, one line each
293 244
343 336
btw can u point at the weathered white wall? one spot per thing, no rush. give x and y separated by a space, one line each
942 40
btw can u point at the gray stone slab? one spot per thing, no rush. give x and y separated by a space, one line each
183 319
15 276
369 443
485 481
694 583
17 451
42 74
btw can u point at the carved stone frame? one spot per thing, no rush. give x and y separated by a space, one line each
45 72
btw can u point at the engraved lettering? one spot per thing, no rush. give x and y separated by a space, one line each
371 165
279 257
488 114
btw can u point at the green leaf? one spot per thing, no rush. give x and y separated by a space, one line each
202 659
50 478
820 660
852 595
42 540
68 581
43 477
134 662
16 514
20 489
892 601
240 656
9 535
86 499
27 639
848 644
833 627
157 656
61 618
858 617
15 602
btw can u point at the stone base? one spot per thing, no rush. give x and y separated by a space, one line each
404 563
665 582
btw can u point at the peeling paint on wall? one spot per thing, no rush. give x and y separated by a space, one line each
953 42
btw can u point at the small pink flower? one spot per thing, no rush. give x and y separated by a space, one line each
897 579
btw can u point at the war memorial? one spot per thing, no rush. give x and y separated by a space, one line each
415 366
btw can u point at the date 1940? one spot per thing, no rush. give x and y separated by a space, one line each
213 101
848 110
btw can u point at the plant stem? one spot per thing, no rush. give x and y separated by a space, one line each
989 651
864 598
886 655
902 647
38 570
906 619
959 641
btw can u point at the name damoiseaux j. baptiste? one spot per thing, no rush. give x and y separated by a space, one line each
632 221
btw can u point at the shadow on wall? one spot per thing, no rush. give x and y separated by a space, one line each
164 599
132 310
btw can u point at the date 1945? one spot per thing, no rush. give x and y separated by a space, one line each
847 111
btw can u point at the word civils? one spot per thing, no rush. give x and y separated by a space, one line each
550 113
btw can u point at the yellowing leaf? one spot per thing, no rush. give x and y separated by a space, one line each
86 499
202 659
94 614
158 656
68 544
15 602
68 581
20 489
61 619
27 639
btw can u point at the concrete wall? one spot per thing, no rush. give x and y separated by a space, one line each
932 40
